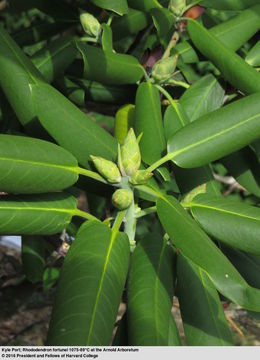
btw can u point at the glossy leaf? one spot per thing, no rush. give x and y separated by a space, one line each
118 6
46 214
107 39
91 282
70 127
109 68
204 96
33 257
148 120
201 310
150 303
233 33
16 75
163 21
217 134
129 24
253 56
124 120
54 58
228 4
34 166
196 246
232 67
235 223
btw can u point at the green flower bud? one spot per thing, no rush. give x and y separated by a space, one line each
177 7
130 153
107 169
122 199
90 24
140 177
164 68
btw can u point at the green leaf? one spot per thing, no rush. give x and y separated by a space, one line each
73 91
163 21
253 56
34 166
33 257
107 38
232 67
150 302
16 75
124 120
247 264
118 6
109 68
235 223
196 246
145 5
201 310
204 96
129 24
46 214
217 134
228 4
148 120
70 127
233 33
244 166
53 59
90 287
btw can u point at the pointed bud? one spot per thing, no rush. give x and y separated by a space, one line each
107 169
130 153
122 199
164 68
90 24
177 7
140 177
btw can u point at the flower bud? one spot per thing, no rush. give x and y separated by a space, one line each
177 7
122 199
140 177
164 68
90 24
130 153
107 169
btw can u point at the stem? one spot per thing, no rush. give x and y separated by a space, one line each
172 43
146 211
118 221
146 75
85 215
88 39
178 83
159 162
91 174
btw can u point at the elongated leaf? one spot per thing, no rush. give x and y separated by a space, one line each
71 90
16 75
109 68
196 246
150 303
253 56
204 96
124 120
228 4
34 166
33 257
148 120
217 134
70 127
145 5
201 310
36 214
107 38
163 21
90 287
244 166
233 33
247 264
232 67
118 6
235 223
38 32
54 58
129 24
